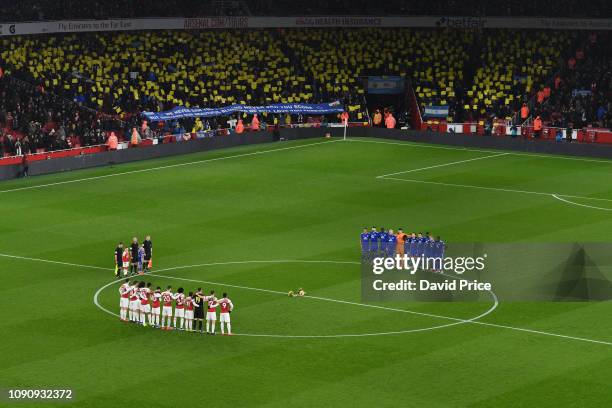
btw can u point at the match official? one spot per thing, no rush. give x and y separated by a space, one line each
199 311
148 249
118 259
134 256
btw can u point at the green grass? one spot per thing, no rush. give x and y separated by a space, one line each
303 203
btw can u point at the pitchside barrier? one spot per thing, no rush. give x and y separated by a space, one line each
502 128
95 156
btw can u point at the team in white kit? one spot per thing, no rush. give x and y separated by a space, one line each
140 304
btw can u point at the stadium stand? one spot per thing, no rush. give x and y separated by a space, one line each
158 70
581 92
513 65
131 72
63 90
45 121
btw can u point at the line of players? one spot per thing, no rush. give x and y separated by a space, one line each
375 243
140 304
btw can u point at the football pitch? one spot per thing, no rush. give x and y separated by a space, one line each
258 221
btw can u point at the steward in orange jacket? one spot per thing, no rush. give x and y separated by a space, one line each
255 123
344 117
537 127
239 126
112 142
524 111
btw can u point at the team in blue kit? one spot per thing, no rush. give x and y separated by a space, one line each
387 243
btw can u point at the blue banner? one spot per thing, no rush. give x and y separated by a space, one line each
293 108
385 85
436 111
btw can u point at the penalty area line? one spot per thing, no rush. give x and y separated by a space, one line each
423 145
558 197
444 164
505 190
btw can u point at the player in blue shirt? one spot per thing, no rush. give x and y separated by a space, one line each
407 242
419 244
391 243
141 255
373 242
428 245
382 241
413 245
440 247
438 253
364 239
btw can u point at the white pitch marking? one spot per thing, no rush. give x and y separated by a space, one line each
563 336
507 190
156 273
324 299
164 167
25 258
251 262
95 298
467 149
456 321
581 205
473 320
444 165
306 336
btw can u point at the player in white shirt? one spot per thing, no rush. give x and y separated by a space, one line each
125 261
179 310
190 304
226 308
124 300
211 313
155 307
144 292
167 297
134 307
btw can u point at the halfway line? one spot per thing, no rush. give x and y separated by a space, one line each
25 258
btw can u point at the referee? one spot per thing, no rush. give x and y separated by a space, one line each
134 256
118 259
198 314
148 248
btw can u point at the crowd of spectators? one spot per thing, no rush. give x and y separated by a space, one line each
581 92
33 120
133 72
62 86
508 67
35 10
119 73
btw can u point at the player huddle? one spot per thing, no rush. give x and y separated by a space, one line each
167 310
376 243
